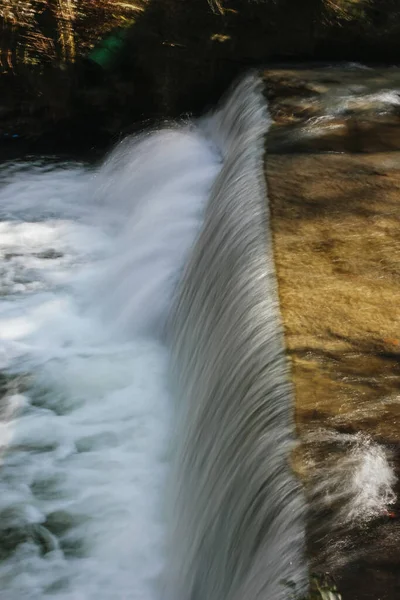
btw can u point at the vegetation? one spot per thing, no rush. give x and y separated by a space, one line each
75 67
323 589
39 31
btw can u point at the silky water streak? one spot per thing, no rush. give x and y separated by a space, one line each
238 526
89 261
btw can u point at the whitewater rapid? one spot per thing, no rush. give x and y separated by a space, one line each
89 260
146 409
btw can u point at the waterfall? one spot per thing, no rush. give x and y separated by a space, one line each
238 526
89 260
138 305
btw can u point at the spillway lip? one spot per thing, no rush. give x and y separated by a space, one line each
238 511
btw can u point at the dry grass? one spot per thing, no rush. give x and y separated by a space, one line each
346 9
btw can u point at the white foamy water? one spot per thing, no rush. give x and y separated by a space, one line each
371 481
88 264
359 481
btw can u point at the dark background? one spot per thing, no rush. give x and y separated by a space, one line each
78 74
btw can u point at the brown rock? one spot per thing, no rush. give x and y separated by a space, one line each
334 110
336 221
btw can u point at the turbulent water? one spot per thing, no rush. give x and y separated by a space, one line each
89 259
239 512
146 411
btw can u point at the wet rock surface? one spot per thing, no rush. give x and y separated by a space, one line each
345 109
336 223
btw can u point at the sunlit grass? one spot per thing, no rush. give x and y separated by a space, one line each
63 30
346 10
80 25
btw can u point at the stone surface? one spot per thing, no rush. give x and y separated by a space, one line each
336 231
333 171
353 109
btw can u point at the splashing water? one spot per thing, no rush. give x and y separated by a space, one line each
357 482
91 262
88 263
372 482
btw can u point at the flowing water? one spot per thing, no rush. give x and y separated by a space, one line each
146 426
239 511
88 263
